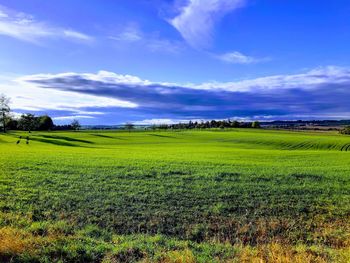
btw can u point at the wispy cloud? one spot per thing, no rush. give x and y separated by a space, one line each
132 34
25 27
76 35
197 19
236 57
317 93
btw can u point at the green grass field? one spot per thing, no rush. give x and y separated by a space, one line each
185 196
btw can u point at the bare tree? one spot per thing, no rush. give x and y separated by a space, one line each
129 126
4 110
75 125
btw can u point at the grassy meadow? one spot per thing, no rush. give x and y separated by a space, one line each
241 195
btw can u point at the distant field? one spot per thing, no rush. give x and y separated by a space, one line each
186 196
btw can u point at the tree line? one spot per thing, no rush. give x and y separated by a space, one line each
29 122
222 124
345 130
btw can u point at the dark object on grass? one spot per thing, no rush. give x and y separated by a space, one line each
18 141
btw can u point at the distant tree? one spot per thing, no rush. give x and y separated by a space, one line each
45 123
28 122
4 110
129 126
345 130
11 123
235 124
255 124
75 125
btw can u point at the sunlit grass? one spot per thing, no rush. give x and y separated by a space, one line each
181 196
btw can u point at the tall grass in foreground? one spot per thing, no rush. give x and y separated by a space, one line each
56 242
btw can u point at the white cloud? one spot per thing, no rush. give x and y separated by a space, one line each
73 117
3 15
103 76
308 80
24 27
197 19
156 122
238 58
89 112
27 96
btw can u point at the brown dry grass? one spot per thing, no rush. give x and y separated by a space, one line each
14 241
276 253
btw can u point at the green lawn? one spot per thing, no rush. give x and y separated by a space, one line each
181 196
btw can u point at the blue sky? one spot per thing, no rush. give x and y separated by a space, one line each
161 61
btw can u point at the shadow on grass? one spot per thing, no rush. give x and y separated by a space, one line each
164 136
69 139
55 142
107 136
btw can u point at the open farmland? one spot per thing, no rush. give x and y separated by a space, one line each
182 196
